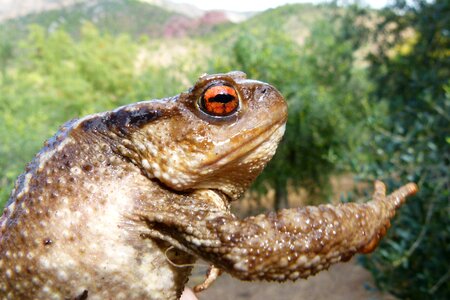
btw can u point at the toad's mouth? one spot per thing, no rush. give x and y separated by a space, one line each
253 139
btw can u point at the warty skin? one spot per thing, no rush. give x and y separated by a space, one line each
116 202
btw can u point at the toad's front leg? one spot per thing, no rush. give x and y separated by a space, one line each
290 244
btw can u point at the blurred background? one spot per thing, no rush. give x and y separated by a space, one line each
368 88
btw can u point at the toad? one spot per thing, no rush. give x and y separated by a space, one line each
120 204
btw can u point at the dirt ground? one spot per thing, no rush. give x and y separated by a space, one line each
341 282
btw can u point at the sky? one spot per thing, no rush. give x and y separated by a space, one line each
257 5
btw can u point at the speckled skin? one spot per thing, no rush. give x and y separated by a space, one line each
118 205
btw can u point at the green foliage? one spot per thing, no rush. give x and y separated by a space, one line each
325 91
411 72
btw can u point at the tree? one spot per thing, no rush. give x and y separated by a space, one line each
411 72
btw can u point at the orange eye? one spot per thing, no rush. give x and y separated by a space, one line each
219 100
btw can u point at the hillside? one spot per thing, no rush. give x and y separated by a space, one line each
153 18
136 18
293 20
11 9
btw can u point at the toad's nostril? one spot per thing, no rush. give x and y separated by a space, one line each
263 91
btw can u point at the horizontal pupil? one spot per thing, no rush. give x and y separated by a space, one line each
222 98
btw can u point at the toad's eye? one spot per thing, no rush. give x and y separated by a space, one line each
219 100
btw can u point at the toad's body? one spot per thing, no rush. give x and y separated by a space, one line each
116 202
